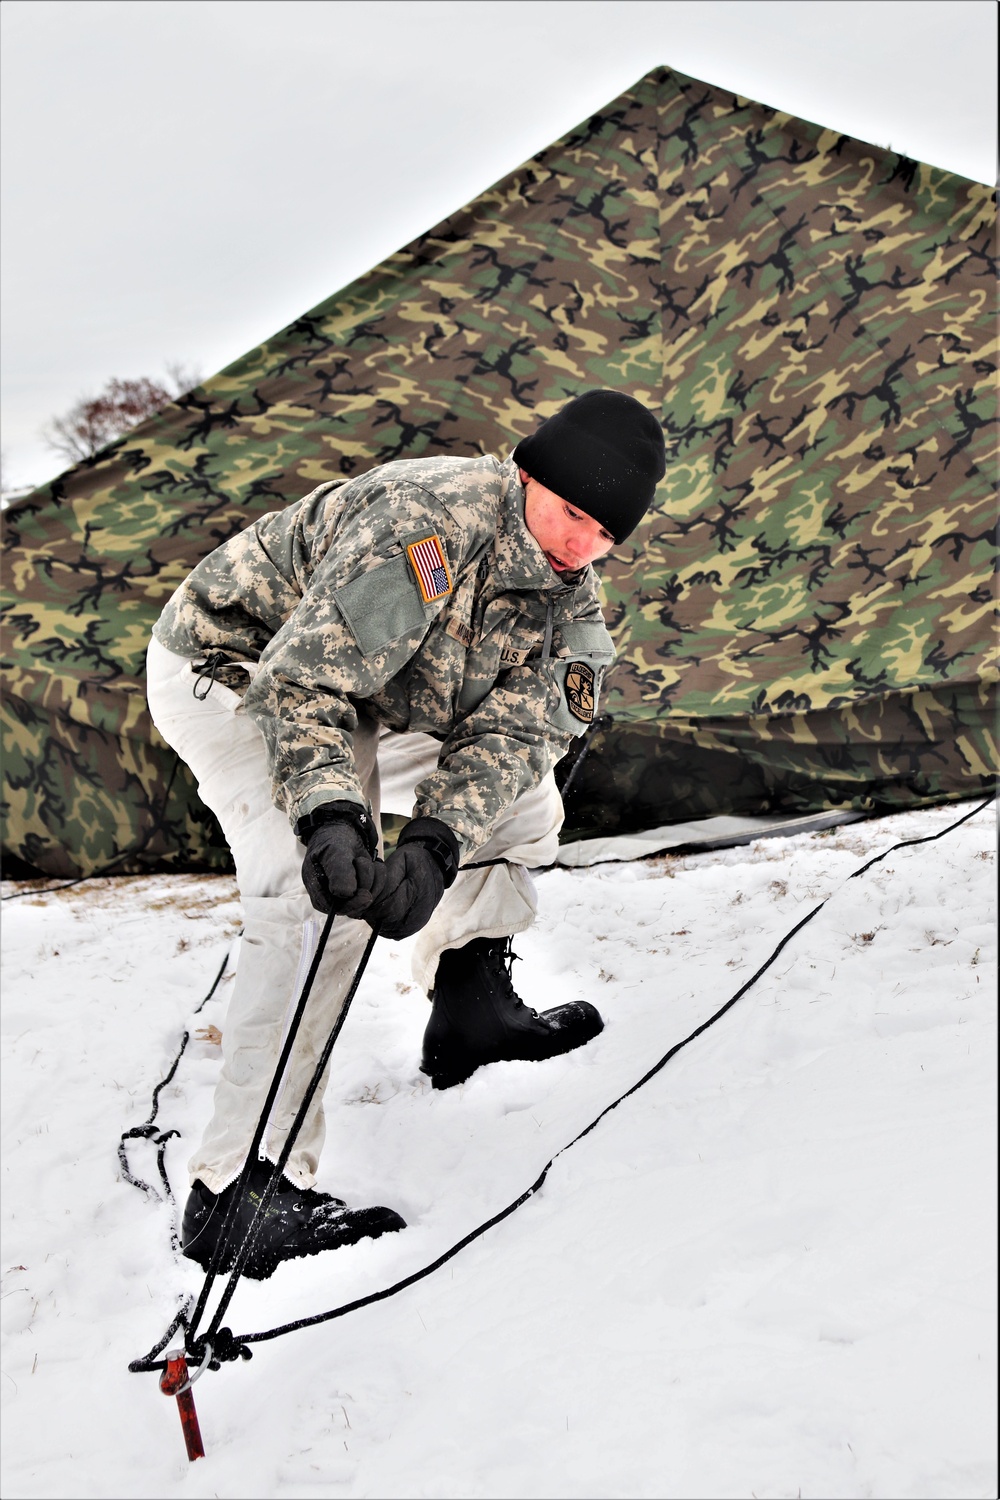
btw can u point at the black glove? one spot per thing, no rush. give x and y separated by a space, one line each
340 870
414 878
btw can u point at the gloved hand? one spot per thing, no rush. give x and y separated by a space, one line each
414 878
340 870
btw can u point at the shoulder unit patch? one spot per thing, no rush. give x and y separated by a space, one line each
580 691
430 567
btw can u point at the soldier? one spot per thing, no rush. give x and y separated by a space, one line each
446 598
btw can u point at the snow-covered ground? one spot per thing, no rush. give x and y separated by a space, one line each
770 1272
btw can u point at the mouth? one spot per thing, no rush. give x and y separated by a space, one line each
559 564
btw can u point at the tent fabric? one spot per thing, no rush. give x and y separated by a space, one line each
697 837
804 619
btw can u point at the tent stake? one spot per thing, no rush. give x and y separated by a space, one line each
175 1381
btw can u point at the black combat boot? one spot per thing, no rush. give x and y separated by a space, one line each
297 1221
478 1017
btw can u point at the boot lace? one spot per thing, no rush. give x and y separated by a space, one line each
501 960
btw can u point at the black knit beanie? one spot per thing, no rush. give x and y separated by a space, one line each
603 452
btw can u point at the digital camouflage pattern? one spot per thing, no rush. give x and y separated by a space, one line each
323 603
806 614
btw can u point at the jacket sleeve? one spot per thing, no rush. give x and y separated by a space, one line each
361 618
518 733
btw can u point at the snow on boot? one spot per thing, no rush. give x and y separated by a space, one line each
478 1017
296 1222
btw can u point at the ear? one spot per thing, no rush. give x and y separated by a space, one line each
525 476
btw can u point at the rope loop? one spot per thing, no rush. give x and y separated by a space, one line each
206 672
206 1363
220 1350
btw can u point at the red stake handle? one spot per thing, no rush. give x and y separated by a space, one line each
174 1382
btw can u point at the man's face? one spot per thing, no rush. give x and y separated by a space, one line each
569 537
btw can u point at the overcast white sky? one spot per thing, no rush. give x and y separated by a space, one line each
183 177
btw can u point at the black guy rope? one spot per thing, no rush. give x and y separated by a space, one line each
228 1346
149 1129
603 721
258 1136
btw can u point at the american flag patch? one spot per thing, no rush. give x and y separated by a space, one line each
429 563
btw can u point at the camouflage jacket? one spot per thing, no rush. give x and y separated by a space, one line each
418 591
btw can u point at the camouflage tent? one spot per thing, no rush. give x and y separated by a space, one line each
804 619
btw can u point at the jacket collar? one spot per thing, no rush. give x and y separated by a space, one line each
520 562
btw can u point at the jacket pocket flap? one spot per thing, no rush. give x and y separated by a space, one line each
586 638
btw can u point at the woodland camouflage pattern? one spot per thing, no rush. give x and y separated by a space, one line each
803 621
321 600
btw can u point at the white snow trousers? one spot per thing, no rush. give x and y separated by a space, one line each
225 750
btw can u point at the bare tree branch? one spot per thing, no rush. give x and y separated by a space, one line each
95 421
